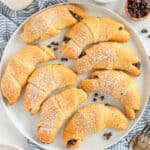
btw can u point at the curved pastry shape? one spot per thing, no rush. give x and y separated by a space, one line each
43 81
56 110
109 55
51 21
89 119
117 84
92 30
20 66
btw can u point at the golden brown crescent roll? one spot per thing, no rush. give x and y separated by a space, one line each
117 84
92 30
51 21
20 66
89 119
43 81
56 110
109 55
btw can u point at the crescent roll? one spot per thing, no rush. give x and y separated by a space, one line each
92 30
45 80
51 21
117 84
56 110
90 119
109 55
20 66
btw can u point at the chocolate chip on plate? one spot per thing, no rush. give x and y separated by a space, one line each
64 59
148 36
54 43
96 94
102 97
55 48
94 99
107 135
144 30
49 46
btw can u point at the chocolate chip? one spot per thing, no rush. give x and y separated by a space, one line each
66 39
94 99
72 142
52 43
110 134
82 54
137 65
144 30
49 46
55 48
55 43
148 36
138 8
107 135
120 28
102 97
107 104
76 16
64 59
96 94
121 93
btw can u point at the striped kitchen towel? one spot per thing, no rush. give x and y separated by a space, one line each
10 20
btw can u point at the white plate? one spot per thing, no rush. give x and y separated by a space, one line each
105 1
10 147
26 123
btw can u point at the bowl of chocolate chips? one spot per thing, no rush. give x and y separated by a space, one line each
138 10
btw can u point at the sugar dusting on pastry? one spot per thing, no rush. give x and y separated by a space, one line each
55 111
92 30
46 79
109 55
90 119
117 84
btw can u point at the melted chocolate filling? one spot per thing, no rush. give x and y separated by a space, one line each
66 39
82 54
95 77
120 28
76 16
137 65
72 142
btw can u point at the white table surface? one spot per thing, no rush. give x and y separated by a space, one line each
10 135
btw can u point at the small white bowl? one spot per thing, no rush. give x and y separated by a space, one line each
105 1
10 147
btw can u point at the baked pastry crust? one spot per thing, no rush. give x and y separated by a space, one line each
55 111
117 84
92 30
45 80
51 21
89 119
109 55
20 66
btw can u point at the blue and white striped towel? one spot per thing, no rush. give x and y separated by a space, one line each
10 20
